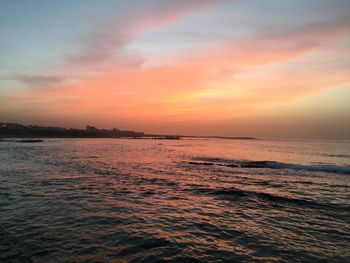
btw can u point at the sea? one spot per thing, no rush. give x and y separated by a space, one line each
188 200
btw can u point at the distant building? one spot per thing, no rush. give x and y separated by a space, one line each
91 128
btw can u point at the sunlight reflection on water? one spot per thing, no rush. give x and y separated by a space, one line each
103 200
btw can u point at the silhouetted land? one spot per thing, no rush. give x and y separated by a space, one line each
14 130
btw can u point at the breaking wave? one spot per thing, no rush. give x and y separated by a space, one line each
270 165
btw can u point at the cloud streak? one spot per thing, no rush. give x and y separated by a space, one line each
106 45
37 80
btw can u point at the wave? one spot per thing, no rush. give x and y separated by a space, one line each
238 194
270 165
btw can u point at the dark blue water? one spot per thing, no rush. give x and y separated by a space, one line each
119 200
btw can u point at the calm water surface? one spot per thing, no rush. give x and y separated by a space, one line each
120 200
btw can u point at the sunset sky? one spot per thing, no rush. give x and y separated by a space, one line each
265 68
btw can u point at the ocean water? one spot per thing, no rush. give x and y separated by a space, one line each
192 200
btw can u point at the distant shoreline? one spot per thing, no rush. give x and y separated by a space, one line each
223 137
14 130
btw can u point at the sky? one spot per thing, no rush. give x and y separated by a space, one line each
263 68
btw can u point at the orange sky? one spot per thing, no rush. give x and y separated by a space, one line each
257 78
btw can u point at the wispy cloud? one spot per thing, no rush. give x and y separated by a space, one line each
105 46
37 80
